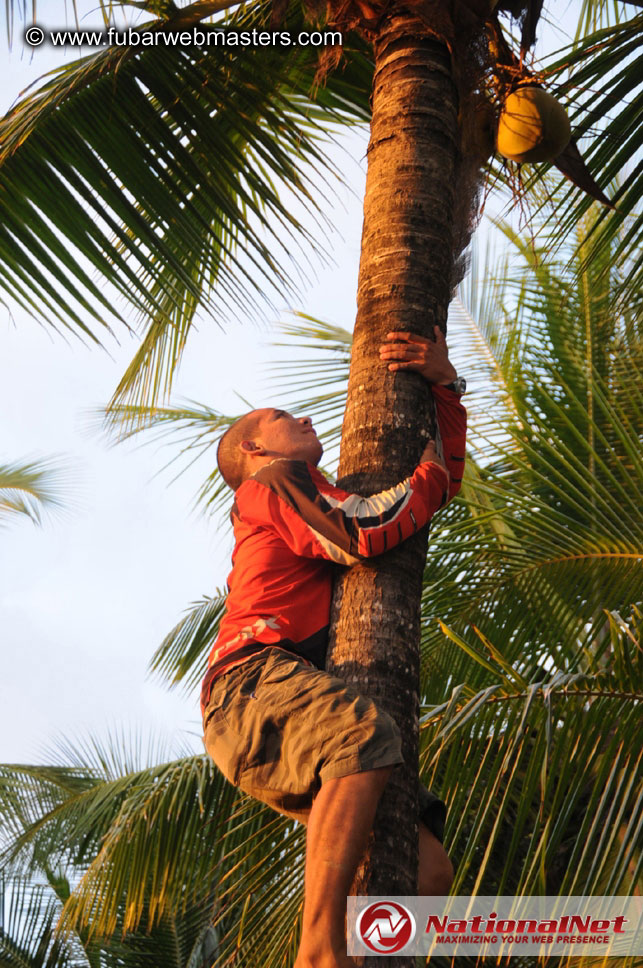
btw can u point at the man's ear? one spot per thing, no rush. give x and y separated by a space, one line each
250 447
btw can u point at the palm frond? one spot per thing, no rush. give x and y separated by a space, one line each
324 368
543 782
486 344
181 656
174 832
538 547
192 430
166 858
597 14
29 937
42 805
21 11
31 488
603 84
27 931
171 173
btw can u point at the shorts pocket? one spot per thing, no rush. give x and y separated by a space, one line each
224 744
214 707
278 667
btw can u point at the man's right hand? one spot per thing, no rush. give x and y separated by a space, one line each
430 453
428 357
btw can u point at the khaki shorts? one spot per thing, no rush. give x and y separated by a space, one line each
279 728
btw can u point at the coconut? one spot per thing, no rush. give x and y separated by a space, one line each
533 126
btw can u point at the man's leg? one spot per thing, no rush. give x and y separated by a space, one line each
340 822
435 874
275 727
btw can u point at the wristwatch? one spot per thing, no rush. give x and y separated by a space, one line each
458 386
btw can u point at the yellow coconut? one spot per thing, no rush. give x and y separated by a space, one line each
533 126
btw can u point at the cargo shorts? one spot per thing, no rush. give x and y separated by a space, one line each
278 728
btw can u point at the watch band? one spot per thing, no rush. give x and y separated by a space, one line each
458 386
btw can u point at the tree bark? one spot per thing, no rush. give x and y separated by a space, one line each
404 283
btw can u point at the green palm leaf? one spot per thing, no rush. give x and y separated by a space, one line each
192 431
171 173
28 938
30 488
603 83
300 379
548 795
170 849
27 932
182 655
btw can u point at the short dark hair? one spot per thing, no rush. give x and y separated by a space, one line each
230 460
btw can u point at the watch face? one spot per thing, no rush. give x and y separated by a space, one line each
459 385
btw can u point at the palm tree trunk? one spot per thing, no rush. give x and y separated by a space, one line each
404 283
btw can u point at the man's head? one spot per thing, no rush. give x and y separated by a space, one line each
262 436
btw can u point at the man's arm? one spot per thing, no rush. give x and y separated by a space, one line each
317 520
452 424
430 358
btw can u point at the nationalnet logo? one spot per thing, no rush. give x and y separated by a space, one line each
386 927
511 926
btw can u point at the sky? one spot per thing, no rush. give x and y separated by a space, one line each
87 598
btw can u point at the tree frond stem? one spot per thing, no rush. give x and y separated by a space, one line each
564 694
583 557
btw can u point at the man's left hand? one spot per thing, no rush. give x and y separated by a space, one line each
408 351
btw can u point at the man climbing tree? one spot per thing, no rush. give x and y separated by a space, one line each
157 166
275 722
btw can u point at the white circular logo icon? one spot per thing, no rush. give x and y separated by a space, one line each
385 927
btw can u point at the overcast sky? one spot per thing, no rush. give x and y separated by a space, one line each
87 598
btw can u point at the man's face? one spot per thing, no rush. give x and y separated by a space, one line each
281 435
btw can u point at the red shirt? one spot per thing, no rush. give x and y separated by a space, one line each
291 525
